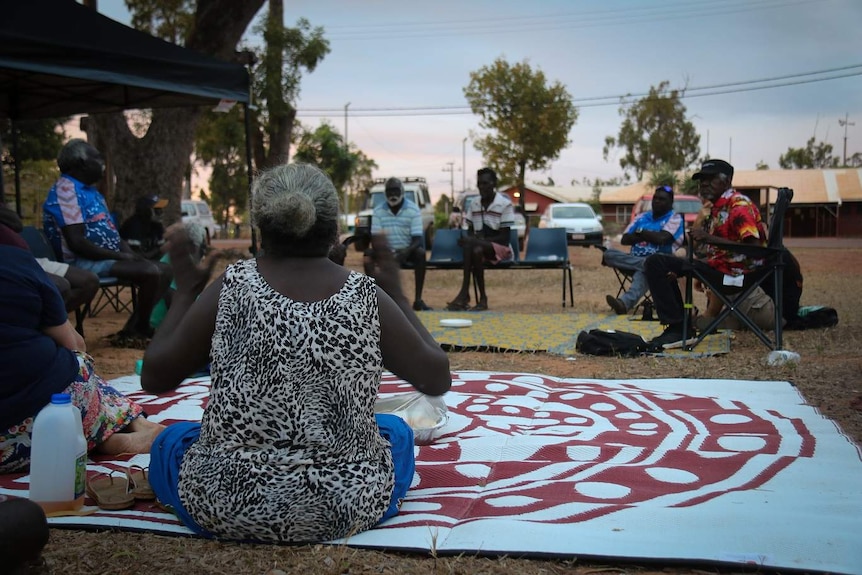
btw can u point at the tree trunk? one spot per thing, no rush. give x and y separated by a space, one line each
156 163
522 174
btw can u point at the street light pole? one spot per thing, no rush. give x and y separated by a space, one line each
464 165
451 169
845 123
346 149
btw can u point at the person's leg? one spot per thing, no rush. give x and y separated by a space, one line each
64 287
400 437
479 254
166 455
84 286
636 290
417 258
152 280
463 298
662 271
621 260
23 534
112 423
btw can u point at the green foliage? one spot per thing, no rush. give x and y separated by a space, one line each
813 155
324 147
761 165
37 177
527 119
221 145
170 20
654 132
663 175
37 139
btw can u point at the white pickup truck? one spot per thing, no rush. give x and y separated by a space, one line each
415 190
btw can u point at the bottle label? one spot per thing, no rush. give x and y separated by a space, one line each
80 475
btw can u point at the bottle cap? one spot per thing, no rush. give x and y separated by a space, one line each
61 398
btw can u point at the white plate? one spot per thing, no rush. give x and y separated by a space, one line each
454 322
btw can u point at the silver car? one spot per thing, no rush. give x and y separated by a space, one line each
199 212
583 226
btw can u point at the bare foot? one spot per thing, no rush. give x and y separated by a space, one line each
137 437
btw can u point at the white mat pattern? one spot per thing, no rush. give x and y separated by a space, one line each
713 471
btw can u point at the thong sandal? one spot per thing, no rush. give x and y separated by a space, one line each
458 306
110 494
139 483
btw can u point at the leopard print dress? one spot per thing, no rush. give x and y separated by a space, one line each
289 449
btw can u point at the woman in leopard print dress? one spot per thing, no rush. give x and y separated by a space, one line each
289 448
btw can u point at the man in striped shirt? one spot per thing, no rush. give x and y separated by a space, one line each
401 221
488 219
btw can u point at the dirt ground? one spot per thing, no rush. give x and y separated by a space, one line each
829 376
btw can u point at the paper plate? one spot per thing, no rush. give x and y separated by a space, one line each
454 322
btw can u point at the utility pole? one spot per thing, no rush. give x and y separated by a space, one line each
346 149
450 167
464 165
845 123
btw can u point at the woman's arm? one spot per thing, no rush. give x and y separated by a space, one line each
409 351
181 345
66 336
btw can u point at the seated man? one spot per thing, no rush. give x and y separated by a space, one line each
142 230
488 219
401 221
78 224
659 230
76 286
733 219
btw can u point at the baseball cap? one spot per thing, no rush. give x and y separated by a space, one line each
154 201
713 167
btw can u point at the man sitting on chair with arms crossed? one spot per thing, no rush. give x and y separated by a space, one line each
489 219
659 230
401 221
733 219
78 224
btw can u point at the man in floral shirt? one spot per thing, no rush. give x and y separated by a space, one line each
733 219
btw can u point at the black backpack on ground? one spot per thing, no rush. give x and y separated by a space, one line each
621 343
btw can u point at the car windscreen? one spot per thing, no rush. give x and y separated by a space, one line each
572 212
687 206
203 209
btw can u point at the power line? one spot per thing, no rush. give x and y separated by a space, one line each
599 101
565 20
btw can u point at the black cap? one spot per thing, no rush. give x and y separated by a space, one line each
713 167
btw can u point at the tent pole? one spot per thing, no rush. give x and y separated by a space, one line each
17 170
247 119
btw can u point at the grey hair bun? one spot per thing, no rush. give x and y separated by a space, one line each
292 198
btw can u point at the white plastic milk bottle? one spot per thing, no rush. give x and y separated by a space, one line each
58 460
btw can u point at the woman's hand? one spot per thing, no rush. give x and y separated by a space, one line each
189 276
386 270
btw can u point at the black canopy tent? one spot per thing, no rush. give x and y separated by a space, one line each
60 58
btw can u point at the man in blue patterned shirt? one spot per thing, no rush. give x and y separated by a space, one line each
660 230
401 221
80 227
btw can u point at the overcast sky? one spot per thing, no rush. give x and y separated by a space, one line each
389 54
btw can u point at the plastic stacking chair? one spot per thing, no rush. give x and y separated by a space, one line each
774 255
547 248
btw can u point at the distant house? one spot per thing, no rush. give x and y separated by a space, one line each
538 197
826 203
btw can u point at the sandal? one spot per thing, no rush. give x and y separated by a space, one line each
139 483
457 305
109 494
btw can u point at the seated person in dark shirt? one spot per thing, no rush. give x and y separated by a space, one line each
142 230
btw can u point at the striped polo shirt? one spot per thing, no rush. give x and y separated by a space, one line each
399 228
499 214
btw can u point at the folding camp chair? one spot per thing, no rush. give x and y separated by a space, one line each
774 256
624 277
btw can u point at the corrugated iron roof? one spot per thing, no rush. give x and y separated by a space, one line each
831 186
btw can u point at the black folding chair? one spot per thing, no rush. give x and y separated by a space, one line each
624 277
773 254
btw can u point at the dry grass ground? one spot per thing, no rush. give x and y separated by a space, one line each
829 375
